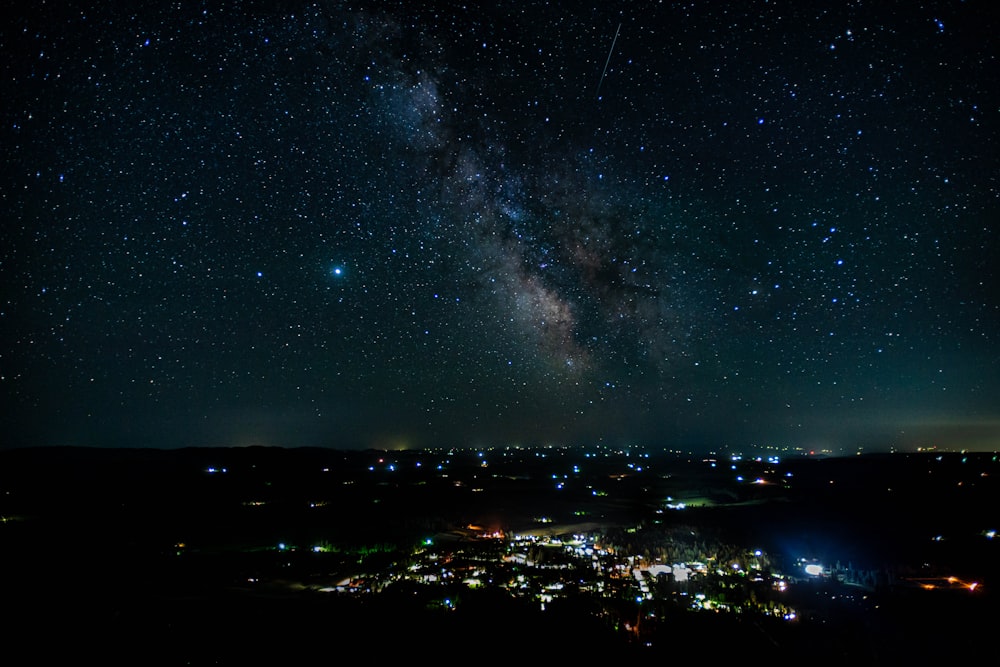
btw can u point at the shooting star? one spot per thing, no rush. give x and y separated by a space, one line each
610 51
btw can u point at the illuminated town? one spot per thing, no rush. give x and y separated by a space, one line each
798 551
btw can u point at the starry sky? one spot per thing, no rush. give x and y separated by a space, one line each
696 225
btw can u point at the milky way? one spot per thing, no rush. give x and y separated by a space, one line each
702 226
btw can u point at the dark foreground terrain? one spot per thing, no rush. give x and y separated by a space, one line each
269 556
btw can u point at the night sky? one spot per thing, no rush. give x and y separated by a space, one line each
695 225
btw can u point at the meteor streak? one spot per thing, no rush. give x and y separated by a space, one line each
610 51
